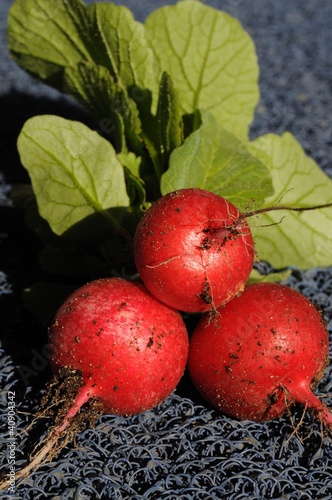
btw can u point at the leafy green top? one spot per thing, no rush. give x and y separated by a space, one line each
211 59
173 100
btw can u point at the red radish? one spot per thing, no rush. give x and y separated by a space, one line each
262 352
193 251
130 348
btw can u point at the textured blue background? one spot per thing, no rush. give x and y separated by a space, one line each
182 449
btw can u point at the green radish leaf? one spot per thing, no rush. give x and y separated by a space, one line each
212 158
85 259
135 185
116 113
211 60
257 277
163 132
76 176
121 42
301 239
24 198
168 120
45 37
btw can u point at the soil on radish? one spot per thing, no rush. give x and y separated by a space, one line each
206 295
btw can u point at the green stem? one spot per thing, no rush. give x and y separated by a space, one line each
263 210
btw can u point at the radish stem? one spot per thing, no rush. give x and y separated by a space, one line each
84 394
306 397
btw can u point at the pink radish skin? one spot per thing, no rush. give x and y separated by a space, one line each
263 351
131 349
192 250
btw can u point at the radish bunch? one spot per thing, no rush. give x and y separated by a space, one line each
257 349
